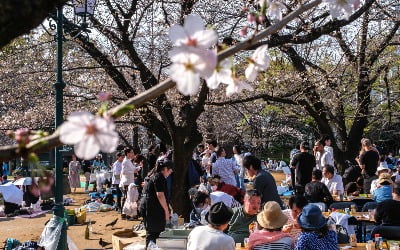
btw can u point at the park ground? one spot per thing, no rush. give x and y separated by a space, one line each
24 229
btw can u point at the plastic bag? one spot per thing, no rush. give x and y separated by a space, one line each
130 207
152 246
51 233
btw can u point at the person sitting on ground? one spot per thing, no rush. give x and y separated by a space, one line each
270 236
381 169
218 185
387 211
316 191
263 181
332 181
315 233
296 205
355 188
244 216
212 236
384 190
200 202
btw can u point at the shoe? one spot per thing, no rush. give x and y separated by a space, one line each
123 216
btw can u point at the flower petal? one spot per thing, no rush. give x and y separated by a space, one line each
193 24
87 148
206 38
177 35
251 72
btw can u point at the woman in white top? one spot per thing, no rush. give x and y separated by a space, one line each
74 167
237 154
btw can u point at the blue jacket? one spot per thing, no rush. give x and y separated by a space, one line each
382 193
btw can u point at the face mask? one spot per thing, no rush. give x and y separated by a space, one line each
213 188
198 210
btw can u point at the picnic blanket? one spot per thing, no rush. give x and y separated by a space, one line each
33 215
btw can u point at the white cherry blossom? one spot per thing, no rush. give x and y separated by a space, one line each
337 7
188 66
237 86
275 9
192 33
221 74
259 61
89 134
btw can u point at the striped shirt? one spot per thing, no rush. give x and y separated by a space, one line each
225 168
281 244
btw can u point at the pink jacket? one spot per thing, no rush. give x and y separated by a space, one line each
263 236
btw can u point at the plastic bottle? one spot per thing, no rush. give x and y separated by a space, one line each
377 239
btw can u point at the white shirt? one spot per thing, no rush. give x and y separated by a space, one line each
128 172
225 168
374 185
323 160
116 170
333 184
207 238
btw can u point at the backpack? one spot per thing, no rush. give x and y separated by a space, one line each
342 235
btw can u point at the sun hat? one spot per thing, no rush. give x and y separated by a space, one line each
305 145
219 214
385 177
271 217
311 217
382 166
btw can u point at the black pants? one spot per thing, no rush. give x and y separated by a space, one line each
151 236
367 183
293 177
119 195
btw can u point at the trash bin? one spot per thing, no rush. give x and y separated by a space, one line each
175 239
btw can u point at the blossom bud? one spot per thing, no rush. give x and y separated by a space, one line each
251 18
104 96
245 9
261 19
243 31
22 136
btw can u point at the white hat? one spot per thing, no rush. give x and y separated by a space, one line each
382 166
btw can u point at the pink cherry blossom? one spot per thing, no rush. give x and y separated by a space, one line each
222 74
237 86
243 31
259 61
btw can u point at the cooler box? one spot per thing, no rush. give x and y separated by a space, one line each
175 239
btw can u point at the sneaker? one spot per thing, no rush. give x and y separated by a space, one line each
123 216
86 190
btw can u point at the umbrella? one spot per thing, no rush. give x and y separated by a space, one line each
23 181
11 193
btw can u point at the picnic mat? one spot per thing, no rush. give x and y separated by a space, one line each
35 214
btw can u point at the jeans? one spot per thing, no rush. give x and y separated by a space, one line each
119 195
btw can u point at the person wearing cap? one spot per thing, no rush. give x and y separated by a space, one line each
384 188
303 163
368 162
315 234
383 168
212 236
244 216
332 181
270 236
154 205
263 181
387 211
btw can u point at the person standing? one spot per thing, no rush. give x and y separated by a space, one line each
128 171
303 163
212 145
73 173
322 157
238 157
263 181
368 162
225 168
116 177
154 205
86 168
151 160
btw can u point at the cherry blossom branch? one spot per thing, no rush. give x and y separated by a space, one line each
46 143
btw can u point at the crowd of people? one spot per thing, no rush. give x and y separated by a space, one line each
235 200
